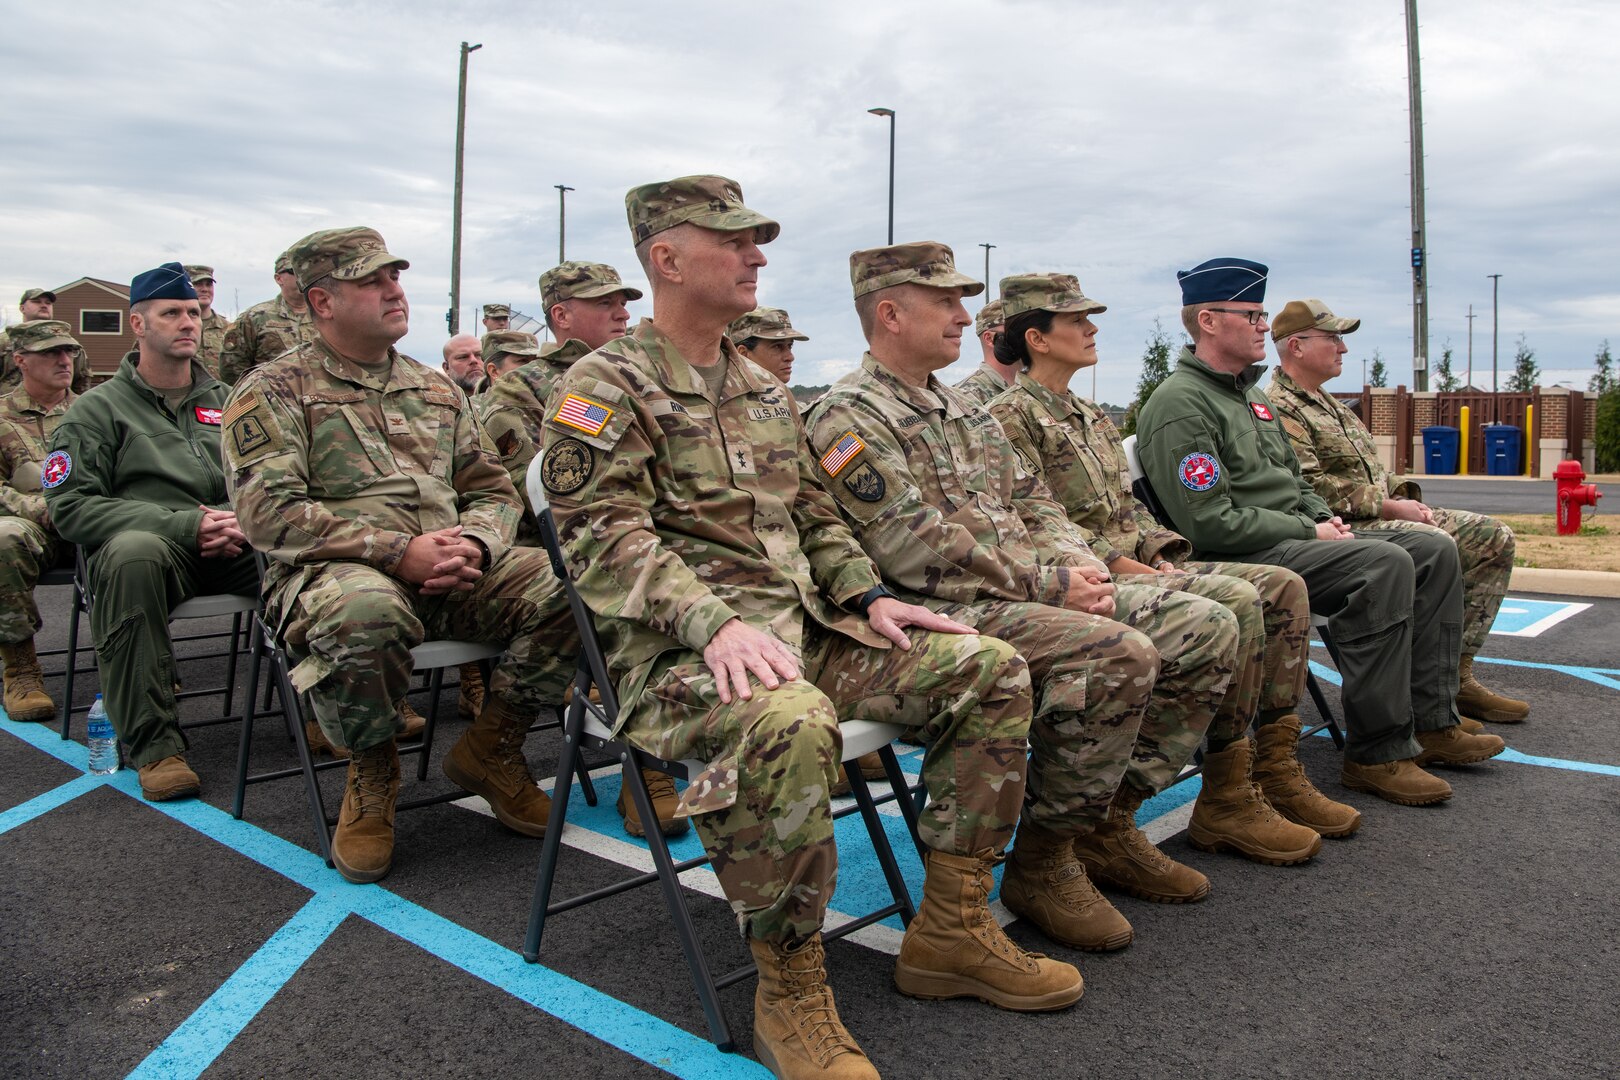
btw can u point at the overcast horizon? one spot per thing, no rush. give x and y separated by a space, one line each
1098 140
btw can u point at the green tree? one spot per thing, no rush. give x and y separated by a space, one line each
1444 380
1603 379
1380 371
1526 372
1606 439
1155 369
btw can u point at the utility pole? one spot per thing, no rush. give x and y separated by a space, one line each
562 221
1496 281
1471 318
890 114
987 248
1420 289
454 318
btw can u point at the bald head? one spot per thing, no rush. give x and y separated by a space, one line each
464 361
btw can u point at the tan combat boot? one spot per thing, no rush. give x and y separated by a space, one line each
1398 781
797 1032
320 744
871 766
1290 792
955 948
1232 814
1046 884
170 778
1454 746
1474 701
1470 725
1117 854
25 697
363 845
661 789
415 722
488 761
470 702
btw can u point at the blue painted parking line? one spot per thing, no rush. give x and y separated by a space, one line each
23 813
1519 617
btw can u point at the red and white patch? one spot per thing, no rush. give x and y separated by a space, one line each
1199 471
209 416
1261 411
56 469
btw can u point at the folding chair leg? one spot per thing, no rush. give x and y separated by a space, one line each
1315 688
910 804
880 841
312 785
245 740
72 658
230 664
551 846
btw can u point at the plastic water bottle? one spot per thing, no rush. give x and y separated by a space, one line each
103 741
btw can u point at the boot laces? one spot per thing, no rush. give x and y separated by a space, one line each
1137 843
814 1013
25 680
983 925
659 785
371 779
509 759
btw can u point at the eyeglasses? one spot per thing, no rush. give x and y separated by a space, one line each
1254 317
1337 339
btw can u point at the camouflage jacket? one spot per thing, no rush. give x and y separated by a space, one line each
259 335
25 431
513 412
214 327
1083 461
120 460
945 505
11 374
329 460
678 512
981 386
1335 451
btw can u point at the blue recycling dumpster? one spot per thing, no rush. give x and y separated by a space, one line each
1440 446
1503 453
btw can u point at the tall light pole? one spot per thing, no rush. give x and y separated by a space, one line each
454 319
987 248
1496 281
890 114
1471 318
1420 288
562 221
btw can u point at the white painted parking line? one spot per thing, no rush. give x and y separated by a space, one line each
1531 618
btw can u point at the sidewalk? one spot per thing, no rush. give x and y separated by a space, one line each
1564 582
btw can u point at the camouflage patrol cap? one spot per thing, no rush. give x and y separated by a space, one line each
38 335
284 262
1057 293
1299 315
988 318
925 263
581 281
200 273
342 254
497 311
515 342
35 294
767 323
713 202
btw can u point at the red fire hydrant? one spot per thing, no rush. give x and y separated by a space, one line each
1572 495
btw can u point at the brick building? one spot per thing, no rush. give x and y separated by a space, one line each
98 313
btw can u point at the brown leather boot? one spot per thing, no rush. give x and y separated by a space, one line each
1232 814
1470 725
1454 746
661 789
1398 781
170 778
1473 700
1118 855
871 766
955 948
1290 792
363 845
25 697
415 722
797 1032
488 761
320 744
1046 884
470 702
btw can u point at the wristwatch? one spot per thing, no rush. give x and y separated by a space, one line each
870 597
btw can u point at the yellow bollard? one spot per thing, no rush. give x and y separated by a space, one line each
1529 415
1462 445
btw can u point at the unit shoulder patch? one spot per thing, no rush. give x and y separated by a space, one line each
566 466
866 483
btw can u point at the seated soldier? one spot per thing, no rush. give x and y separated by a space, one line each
388 520
36 304
1337 455
506 350
766 336
992 377
1051 337
133 477
265 330
1211 445
741 621
44 354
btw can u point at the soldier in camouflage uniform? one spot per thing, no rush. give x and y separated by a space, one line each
1337 455
214 325
504 351
265 331
766 336
991 377
497 317
37 304
1051 337
387 520
29 415
742 621
956 519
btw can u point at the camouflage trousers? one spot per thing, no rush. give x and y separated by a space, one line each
762 805
349 629
1485 549
26 551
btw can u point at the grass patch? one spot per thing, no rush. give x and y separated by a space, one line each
1596 547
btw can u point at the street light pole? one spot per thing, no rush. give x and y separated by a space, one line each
455 217
1496 282
1471 318
890 114
987 248
562 221
1420 287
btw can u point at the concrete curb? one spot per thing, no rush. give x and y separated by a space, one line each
1567 582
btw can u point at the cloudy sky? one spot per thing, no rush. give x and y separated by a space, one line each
1115 141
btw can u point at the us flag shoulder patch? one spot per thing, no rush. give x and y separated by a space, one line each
583 414
833 461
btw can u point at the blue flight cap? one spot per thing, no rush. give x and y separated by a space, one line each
168 282
1220 280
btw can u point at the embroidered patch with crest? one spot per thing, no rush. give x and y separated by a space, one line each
209 416
1261 411
1199 471
866 483
248 435
566 466
583 413
833 461
56 469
